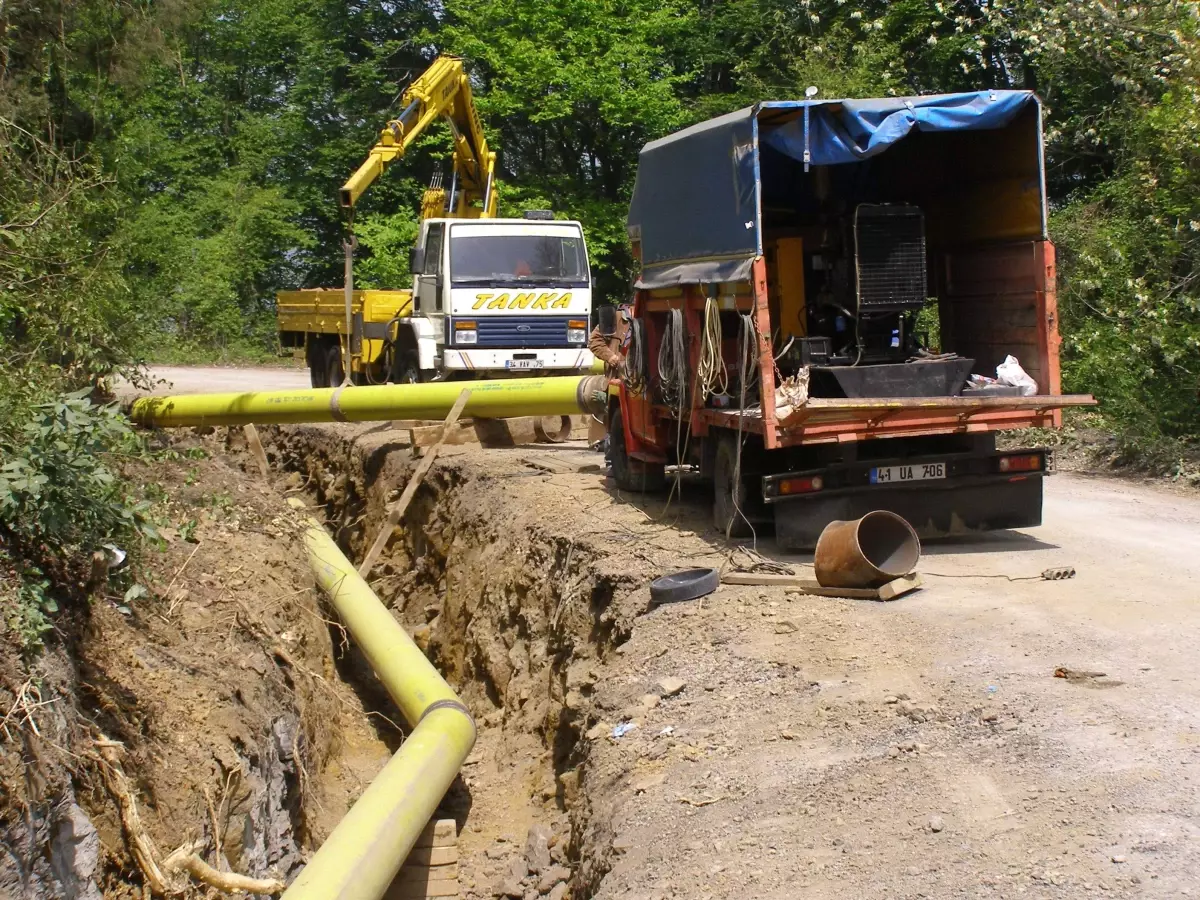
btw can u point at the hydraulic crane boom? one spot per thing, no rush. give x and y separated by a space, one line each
442 91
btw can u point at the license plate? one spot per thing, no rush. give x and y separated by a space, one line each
522 364
898 474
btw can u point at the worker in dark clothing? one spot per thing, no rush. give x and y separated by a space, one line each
614 362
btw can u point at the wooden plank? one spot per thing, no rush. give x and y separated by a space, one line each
420 892
900 586
256 449
410 490
763 579
488 432
438 833
547 464
423 874
433 856
890 591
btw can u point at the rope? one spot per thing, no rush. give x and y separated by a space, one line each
672 359
635 359
711 374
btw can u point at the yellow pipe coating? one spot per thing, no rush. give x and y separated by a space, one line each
498 399
363 854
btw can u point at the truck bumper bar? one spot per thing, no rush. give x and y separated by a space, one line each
974 496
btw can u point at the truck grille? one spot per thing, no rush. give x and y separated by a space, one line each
522 331
890 246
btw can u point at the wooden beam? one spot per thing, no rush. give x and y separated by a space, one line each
890 591
410 490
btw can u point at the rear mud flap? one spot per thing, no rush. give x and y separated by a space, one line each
932 512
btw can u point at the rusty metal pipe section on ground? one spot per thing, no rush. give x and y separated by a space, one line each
490 399
867 552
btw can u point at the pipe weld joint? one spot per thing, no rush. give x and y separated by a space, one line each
335 408
448 704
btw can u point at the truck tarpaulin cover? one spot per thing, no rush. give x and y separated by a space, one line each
695 202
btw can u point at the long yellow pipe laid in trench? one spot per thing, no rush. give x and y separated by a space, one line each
496 399
365 851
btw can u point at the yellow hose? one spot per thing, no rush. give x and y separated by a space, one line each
498 399
363 854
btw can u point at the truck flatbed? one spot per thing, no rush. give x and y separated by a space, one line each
834 420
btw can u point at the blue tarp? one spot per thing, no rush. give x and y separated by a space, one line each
695 206
695 202
853 130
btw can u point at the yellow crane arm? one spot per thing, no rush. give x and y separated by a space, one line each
442 91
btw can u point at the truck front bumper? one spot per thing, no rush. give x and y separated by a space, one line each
508 360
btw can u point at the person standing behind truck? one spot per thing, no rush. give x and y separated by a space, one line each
600 342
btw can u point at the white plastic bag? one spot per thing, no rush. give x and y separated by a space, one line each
1010 372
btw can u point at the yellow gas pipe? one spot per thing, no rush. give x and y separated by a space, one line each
498 399
365 851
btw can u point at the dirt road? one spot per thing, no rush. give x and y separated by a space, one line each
221 379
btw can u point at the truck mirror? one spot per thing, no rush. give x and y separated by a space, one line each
416 260
608 319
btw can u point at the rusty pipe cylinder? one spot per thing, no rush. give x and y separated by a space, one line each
867 552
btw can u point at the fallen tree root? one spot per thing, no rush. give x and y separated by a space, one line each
186 861
145 854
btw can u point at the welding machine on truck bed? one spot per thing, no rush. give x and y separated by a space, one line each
818 281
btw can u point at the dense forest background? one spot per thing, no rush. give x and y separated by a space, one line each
166 165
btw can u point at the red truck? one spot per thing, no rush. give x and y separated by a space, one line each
821 284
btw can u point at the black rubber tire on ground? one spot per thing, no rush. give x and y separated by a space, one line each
632 474
333 366
687 585
749 500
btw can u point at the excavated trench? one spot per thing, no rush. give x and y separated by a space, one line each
518 611
233 710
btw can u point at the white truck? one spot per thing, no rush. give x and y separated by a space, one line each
490 296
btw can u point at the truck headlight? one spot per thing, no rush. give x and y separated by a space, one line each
576 331
465 333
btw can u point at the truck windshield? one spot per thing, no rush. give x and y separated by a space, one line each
521 258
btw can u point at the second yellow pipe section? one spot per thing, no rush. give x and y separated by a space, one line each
494 399
363 854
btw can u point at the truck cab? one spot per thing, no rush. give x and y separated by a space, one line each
494 296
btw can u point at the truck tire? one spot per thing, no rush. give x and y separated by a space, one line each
632 474
407 369
317 363
333 366
730 513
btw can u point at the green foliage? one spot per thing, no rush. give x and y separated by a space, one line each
60 497
384 241
165 168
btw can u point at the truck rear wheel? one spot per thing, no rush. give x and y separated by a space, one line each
317 373
333 366
632 474
737 500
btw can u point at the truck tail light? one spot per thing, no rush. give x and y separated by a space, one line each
806 485
1025 462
